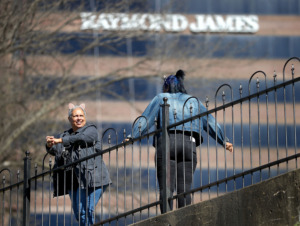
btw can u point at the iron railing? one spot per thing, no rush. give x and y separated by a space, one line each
262 126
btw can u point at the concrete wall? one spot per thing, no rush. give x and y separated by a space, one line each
272 202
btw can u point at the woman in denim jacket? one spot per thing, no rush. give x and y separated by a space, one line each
183 138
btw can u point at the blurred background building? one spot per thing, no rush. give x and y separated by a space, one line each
112 55
215 42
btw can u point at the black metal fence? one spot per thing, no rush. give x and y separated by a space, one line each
262 125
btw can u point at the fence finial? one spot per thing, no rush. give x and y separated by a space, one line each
241 90
27 153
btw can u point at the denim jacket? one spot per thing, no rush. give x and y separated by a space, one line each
184 106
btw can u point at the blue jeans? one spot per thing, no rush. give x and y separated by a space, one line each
93 196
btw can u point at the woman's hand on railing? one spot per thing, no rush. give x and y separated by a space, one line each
127 139
229 146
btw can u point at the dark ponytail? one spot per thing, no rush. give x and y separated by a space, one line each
180 76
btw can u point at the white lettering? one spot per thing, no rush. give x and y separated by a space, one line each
252 21
166 23
155 22
230 24
125 22
243 24
210 24
102 23
142 22
113 20
179 23
135 22
239 24
221 23
169 22
87 21
199 25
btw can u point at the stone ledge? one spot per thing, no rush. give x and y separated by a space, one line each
272 202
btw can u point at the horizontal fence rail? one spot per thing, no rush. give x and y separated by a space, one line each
264 147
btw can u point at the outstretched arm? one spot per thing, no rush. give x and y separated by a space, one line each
88 136
215 130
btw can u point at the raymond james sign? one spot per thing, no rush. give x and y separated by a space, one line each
169 22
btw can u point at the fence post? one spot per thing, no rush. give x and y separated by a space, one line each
166 193
26 190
